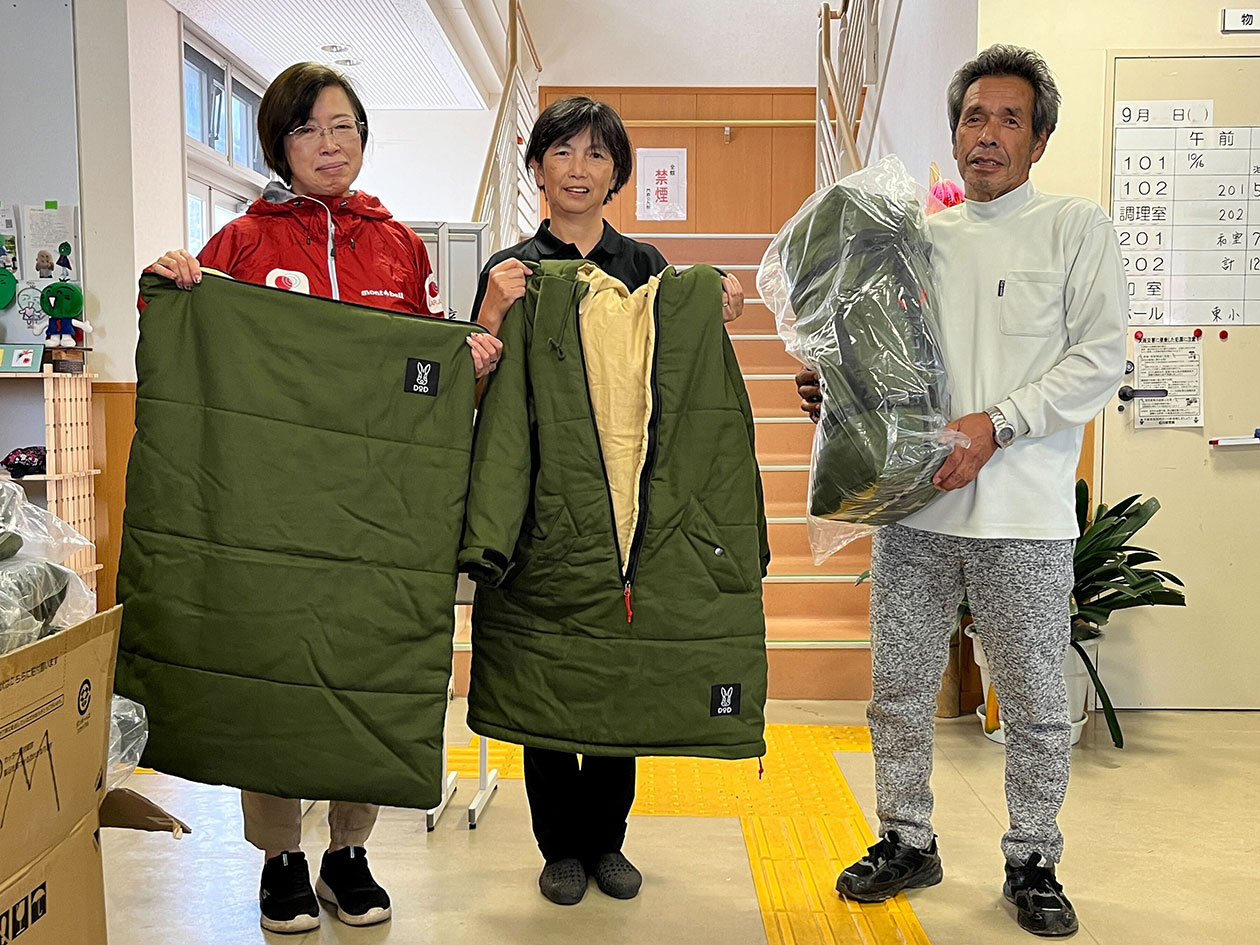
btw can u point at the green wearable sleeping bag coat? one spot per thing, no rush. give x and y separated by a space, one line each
615 524
295 496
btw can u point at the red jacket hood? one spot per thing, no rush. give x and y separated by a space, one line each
277 198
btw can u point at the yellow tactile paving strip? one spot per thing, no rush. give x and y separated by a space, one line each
800 821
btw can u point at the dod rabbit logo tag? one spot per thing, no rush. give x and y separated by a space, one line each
421 377
724 700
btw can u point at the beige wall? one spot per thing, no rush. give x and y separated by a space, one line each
1074 36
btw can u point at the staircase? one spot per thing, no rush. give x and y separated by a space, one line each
817 618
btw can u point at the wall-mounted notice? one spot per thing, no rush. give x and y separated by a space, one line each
662 184
1241 20
1172 363
50 249
8 241
1185 200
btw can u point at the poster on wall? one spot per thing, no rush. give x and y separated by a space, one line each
1171 363
8 241
50 250
662 184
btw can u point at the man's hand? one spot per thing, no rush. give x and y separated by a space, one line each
963 465
811 393
506 284
732 298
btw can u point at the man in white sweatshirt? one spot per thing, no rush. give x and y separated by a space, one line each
1033 312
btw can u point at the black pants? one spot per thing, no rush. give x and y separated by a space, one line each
578 811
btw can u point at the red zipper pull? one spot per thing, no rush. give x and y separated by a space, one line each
629 612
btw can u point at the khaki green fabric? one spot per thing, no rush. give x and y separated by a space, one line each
557 663
295 496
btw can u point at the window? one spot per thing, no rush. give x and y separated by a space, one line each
245 128
205 85
225 162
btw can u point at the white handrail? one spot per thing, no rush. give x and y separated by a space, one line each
506 199
847 62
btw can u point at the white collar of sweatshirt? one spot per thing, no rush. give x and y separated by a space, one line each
999 207
1033 308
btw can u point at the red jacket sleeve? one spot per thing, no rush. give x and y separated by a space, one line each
427 287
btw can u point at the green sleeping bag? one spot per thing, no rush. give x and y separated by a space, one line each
295 495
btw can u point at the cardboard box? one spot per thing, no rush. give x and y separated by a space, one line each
54 738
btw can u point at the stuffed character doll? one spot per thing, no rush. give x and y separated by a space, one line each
64 303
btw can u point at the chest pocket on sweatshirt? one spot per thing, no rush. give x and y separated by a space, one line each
1031 303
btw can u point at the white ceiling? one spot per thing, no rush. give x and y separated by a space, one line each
407 60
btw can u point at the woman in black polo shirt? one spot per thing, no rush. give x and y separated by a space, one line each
580 155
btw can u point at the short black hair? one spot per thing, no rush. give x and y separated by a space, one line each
1005 60
287 104
571 116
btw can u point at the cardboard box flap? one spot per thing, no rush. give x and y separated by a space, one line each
123 807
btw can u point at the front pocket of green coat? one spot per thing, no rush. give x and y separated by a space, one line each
706 539
538 554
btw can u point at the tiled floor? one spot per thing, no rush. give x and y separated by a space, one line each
1140 825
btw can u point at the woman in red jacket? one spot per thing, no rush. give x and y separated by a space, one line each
319 237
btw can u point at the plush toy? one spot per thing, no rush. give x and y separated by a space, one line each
64 304
948 193
44 264
63 260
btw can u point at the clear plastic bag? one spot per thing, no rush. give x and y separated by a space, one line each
849 279
43 534
38 595
128 734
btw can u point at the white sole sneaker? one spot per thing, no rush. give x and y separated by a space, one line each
371 917
301 923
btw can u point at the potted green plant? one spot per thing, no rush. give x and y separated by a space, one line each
1111 574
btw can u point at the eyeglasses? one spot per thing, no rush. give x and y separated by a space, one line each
343 132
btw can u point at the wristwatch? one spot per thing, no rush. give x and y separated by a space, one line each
1003 429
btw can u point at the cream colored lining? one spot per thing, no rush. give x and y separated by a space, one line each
618 339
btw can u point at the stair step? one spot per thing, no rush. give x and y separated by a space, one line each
844 629
785 490
824 606
784 442
691 248
819 672
790 552
758 319
763 354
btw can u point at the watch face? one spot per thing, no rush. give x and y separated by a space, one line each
1005 435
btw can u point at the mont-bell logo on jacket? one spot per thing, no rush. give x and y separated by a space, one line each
724 700
421 377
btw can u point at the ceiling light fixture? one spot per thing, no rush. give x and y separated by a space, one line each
348 62
335 48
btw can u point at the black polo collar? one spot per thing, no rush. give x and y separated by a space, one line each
610 243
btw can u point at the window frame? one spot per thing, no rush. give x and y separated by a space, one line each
206 169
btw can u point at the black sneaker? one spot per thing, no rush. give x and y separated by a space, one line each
288 905
346 882
889 867
1039 902
617 877
563 881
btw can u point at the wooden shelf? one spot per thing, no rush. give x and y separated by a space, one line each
59 477
45 374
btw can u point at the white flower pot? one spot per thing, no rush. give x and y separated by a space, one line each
1079 688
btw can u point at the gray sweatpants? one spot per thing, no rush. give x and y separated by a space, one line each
1019 595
